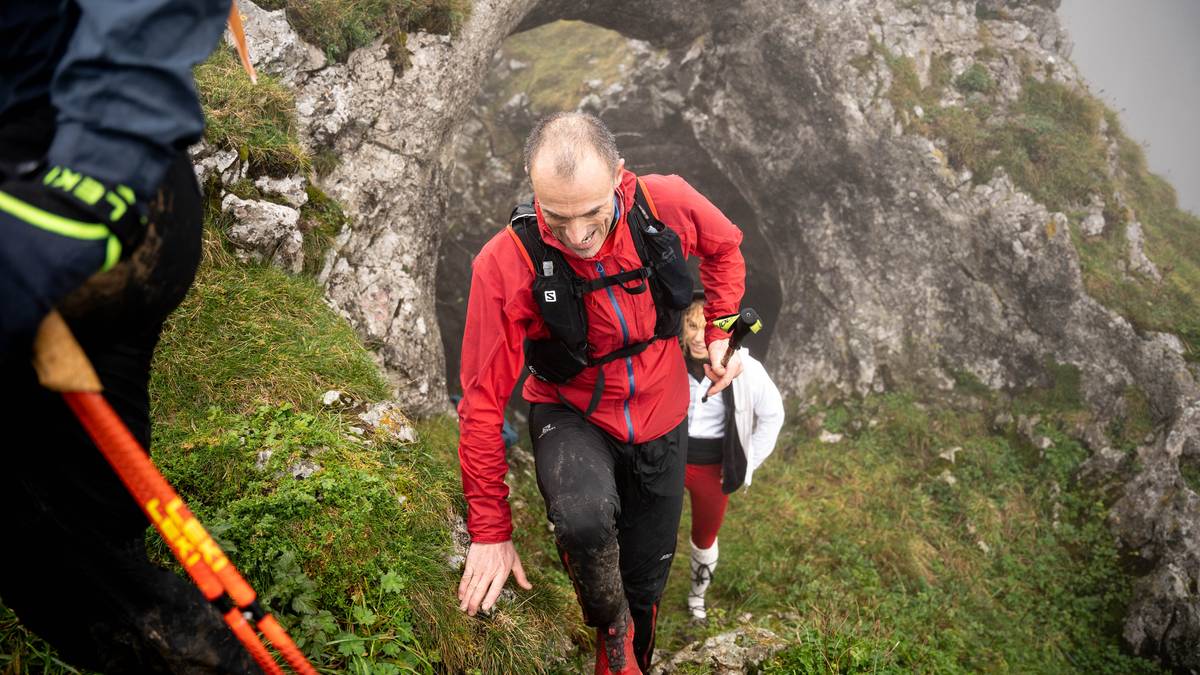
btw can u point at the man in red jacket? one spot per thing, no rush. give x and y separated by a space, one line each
610 443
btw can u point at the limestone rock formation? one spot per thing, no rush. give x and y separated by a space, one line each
289 188
390 128
263 230
734 652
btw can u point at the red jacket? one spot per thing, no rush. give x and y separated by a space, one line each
644 396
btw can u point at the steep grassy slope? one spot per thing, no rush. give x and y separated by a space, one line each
879 554
353 557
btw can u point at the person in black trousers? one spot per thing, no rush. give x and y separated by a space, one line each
100 217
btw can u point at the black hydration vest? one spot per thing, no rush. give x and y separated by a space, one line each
559 291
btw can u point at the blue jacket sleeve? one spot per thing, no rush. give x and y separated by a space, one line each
124 92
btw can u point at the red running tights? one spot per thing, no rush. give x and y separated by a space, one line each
703 483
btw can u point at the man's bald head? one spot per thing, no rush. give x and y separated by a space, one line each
566 138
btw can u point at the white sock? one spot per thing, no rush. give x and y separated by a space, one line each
704 561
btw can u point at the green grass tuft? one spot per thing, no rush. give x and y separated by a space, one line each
983 13
1061 395
1130 430
323 218
1189 467
22 652
1048 143
354 558
249 334
338 27
1054 143
975 79
257 121
560 58
1172 242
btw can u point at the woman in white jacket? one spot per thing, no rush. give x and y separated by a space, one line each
729 436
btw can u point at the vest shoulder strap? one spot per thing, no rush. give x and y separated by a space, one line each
521 247
640 219
644 193
522 227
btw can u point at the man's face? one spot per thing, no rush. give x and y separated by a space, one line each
579 209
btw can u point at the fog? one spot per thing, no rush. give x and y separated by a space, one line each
1143 58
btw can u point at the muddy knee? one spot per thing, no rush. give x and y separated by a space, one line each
582 524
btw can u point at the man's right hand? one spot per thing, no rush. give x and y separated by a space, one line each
56 229
487 568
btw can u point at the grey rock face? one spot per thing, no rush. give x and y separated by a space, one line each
288 188
274 46
390 128
387 419
1093 225
208 161
267 231
1156 516
1138 261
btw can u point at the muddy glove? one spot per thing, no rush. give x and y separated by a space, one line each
57 228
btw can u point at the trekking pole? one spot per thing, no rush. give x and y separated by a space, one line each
63 367
239 40
739 325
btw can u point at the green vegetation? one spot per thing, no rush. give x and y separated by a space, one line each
874 554
23 652
1172 242
1130 430
1189 467
323 218
1061 395
906 92
248 334
1049 142
257 121
984 14
353 559
975 79
560 58
861 554
1054 142
878 554
339 27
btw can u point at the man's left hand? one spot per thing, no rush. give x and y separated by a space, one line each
720 375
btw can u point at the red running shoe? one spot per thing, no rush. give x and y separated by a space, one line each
614 649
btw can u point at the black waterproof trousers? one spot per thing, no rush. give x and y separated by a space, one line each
74 566
615 508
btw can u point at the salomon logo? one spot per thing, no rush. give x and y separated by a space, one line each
551 296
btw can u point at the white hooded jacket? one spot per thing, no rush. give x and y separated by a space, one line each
758 410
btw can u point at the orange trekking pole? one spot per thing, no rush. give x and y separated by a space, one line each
239 39
63 367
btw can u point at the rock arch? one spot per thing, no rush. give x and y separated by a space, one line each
643 110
